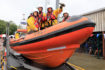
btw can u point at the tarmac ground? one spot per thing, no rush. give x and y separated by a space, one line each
88 62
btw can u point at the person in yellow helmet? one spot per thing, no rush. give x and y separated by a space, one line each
17 35
33 23
52 15
41 17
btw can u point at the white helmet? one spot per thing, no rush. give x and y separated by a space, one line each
35 10
66 11
4 35
49 6
40 6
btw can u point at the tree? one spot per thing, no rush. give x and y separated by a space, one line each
2 27
13 27
19 27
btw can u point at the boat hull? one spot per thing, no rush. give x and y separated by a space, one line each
51 59
55 48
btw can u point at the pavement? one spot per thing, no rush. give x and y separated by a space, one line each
87 61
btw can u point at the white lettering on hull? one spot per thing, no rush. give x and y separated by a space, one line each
58 48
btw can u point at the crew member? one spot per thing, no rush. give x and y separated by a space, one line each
41 17
52 15
33 23
66 16
31 14
17 35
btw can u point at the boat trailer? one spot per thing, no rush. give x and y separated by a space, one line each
19 62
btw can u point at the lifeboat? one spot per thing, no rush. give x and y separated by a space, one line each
52 46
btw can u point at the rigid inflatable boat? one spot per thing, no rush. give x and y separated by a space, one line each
52 46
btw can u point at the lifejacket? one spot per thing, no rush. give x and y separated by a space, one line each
41 15
66 19
36 23
42 20
51 17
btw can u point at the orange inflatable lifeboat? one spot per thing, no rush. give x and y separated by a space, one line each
54 45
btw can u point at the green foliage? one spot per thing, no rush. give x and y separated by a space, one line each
2 27
19 27
13 27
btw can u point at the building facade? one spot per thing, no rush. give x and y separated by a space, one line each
98 16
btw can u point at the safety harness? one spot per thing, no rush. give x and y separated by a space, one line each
36 23
41 20
66 19
51 17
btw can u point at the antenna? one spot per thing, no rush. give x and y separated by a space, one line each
23 17
57 6
57 3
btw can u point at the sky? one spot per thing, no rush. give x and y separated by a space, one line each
12 10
